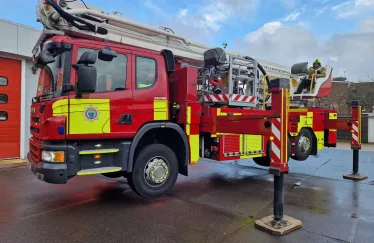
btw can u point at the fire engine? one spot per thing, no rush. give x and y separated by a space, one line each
119 98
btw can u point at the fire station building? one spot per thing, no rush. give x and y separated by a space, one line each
18 84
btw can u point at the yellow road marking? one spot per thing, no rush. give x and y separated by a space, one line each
12 161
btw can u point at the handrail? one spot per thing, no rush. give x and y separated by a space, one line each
311 83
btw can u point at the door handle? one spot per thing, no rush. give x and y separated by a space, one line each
125 119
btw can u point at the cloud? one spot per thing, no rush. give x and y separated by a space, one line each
153 7
181 16
334 59
202 21
353 8
341 6
295 14
292 16
364 3
212 15
290 44
367 25
268 29
320 11
289 4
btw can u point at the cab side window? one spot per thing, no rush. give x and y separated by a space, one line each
111 76
146 74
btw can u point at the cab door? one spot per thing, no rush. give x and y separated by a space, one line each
107 112
150 88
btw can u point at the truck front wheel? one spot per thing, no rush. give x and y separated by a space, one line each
155 171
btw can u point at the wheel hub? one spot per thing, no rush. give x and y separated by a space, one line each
304 143
156 171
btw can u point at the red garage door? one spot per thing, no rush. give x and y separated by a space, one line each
10 108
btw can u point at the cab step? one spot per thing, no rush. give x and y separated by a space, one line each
99 171
99 151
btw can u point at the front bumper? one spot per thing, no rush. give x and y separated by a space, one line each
49 172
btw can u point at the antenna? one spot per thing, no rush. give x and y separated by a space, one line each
224 44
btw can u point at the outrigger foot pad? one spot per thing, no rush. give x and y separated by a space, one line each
355 177
281 227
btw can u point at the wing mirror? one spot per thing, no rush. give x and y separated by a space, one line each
45 57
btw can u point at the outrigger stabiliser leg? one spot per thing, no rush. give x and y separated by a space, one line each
356 142
278 223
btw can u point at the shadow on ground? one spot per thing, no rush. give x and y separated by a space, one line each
218 202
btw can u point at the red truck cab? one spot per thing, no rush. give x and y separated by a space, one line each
98 107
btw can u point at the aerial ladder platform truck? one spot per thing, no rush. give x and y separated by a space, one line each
122 99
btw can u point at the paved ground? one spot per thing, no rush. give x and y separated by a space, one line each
347 145
216 203
330 163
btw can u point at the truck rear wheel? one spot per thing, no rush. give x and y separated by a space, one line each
155 171
303 145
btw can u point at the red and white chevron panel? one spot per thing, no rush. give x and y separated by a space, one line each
243 98
229 97
355 133
276 142
216 98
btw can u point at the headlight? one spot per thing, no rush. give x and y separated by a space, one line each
53 156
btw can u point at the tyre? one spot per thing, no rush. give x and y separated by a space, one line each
303 145
265 161
155 171
113 174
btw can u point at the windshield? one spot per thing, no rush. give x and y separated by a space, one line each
51 77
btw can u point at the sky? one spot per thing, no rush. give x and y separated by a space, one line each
339 32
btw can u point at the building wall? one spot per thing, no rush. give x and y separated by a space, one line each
371 128
19 39
340 99
343 92
17 44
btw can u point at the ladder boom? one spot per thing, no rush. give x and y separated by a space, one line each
125 31
248 78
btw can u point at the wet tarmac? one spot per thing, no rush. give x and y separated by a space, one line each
218 202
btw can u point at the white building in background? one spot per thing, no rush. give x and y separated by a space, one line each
17 87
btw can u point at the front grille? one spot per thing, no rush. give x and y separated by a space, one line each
34 156
35 149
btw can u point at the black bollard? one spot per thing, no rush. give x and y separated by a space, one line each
355 175
356 154
278 197
278 223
